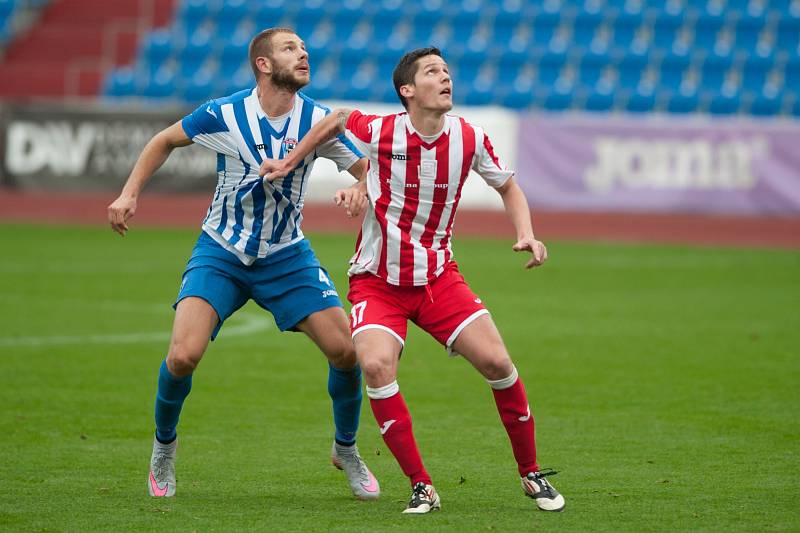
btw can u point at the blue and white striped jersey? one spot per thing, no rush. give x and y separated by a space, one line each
250 216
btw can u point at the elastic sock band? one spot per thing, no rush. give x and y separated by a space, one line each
381 393
504 383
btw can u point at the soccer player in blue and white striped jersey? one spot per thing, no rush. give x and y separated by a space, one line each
251 245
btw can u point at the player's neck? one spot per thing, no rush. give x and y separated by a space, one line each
426 122
274 101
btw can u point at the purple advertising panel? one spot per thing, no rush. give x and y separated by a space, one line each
660 164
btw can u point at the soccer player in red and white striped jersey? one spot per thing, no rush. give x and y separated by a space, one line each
403 267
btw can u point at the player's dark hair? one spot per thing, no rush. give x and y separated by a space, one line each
407 67
261 46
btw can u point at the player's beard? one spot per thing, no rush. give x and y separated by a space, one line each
283 78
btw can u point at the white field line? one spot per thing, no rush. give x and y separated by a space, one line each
251 324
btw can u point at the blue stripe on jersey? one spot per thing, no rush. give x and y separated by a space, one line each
244 127
223 220
259 203
238 226
220 162
349 144
299 212
278 230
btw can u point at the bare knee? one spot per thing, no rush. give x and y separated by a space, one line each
341 353
377 371
183 358
496 368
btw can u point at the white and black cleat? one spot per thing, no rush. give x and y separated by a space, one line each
546 496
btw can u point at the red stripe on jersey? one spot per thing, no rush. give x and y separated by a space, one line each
487 144
385 177
438 205
358 245
468 139
410 204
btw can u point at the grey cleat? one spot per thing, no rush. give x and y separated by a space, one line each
161 482
362 482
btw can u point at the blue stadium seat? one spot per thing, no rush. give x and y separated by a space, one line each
748 28
157 46
630 69
766 104
664 29
713 70
625 25
557 101
672 67
162 85
683 103
199 89
591 65
754 72
721 104
788 32
640 102
120 82
596 101
706 28
792 74
584 25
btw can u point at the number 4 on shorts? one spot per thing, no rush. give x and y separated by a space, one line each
357 312
324 278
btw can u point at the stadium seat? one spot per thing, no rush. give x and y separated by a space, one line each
721 104
683 102
121 83
640 102
766 104
642 49
597 101
713 70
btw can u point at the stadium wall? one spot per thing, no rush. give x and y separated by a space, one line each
564 162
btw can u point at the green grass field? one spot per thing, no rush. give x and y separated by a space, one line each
665 382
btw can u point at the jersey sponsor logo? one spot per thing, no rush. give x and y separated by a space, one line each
329 292
400 157
211 112
386 425
259 146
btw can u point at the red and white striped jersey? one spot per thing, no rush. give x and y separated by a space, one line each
414 185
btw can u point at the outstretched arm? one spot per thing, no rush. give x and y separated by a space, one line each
154 154
519 212
327 128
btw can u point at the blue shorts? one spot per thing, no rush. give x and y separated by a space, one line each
290 284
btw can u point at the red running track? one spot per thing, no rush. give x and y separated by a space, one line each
188 210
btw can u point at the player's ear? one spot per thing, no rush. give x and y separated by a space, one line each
407 91
264 65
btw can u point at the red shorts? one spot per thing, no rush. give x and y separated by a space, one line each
443 308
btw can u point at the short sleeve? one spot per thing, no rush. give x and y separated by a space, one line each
341 151
359 130
206 119
488 165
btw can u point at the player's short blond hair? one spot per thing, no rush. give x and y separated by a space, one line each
261 46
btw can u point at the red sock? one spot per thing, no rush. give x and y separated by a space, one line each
394 421
512 404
